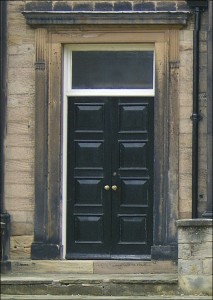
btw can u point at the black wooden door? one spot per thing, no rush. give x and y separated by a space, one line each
109 177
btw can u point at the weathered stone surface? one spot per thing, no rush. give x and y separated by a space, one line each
123 6
53 267
90 284
24 204
185 140
195 255
21 80
21 228
104 6
62 6
140 6
184 251
207 265
194 236
185 214
182 5
190 267
166 6
185 126
38 5
12 190
20 153
185 205
196 284
19 244
19 166
196 224
22 100
84 6
131 267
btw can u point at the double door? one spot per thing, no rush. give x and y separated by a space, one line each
109 177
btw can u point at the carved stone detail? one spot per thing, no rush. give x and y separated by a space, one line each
48 66
174 64
174 48
40 65
41 41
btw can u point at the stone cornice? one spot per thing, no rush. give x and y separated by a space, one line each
104 18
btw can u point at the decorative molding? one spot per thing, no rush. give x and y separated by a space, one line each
49 41
41 40
41 135
174 64
40 65
104 18
174 48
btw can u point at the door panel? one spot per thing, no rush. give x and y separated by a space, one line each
110 142
88 204
133 163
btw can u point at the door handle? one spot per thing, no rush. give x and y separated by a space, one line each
106 187
114 187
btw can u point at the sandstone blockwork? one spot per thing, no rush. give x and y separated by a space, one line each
195 256
20 136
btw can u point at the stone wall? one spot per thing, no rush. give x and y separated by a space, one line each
185 131
195 256
19 143
185 127
202 186
104 5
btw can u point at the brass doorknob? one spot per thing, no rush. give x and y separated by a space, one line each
107 187
114 187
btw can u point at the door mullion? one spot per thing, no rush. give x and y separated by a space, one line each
107 173
115 170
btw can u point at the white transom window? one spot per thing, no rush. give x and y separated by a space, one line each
109 70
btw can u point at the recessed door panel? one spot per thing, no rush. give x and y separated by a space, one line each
133 118
89 117
132 154
89 229
132 229
109 177
85 187
134 192
89 154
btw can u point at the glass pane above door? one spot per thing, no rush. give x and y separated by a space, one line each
112 70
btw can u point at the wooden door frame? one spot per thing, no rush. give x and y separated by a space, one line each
49 43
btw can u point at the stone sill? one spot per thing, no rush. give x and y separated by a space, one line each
194 222
104 18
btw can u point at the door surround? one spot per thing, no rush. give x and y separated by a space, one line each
49 43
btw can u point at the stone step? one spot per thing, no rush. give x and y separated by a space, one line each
71 297
90 284
94 266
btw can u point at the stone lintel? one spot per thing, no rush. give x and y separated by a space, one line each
194 222
104 18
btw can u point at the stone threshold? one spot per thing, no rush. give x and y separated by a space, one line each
76 297
90 284
94 267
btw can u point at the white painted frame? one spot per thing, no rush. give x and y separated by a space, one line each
68 92
104 92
